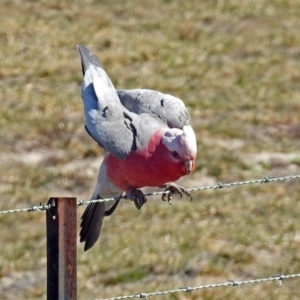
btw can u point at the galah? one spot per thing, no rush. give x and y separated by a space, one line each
147 138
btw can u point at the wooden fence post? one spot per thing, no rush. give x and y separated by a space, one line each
61 249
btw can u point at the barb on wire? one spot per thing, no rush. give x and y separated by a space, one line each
232 283
39 208
220 185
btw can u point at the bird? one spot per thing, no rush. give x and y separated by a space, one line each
147 138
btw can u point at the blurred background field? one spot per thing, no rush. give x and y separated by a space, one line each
236 65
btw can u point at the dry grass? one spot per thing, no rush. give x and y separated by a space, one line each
236 64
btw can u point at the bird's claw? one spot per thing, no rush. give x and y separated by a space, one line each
172 189
138 198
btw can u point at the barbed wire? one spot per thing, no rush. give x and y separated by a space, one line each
233 283
220 185
39 208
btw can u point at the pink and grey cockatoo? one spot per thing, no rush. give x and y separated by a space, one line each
146 135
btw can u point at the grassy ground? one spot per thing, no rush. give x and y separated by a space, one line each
236 64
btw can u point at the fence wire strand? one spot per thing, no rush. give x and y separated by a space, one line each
233 283
220 185
39 208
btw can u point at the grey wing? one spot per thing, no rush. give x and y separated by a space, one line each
87 58
107 120
169 108
91 67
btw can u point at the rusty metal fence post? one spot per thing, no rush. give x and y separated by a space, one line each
61 249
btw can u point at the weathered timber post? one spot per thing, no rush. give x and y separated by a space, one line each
61 249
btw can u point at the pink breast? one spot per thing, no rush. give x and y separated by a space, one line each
150 166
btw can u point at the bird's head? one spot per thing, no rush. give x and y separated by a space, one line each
182 146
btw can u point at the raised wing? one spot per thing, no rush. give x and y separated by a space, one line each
107 121
169 108
112 125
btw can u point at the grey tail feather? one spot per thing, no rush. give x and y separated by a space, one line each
91 224
87 58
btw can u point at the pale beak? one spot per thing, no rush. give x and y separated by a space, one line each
188 166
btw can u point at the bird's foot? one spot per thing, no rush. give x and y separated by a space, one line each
137 197
173 189
111 209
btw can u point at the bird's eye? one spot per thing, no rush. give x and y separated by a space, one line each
175 154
